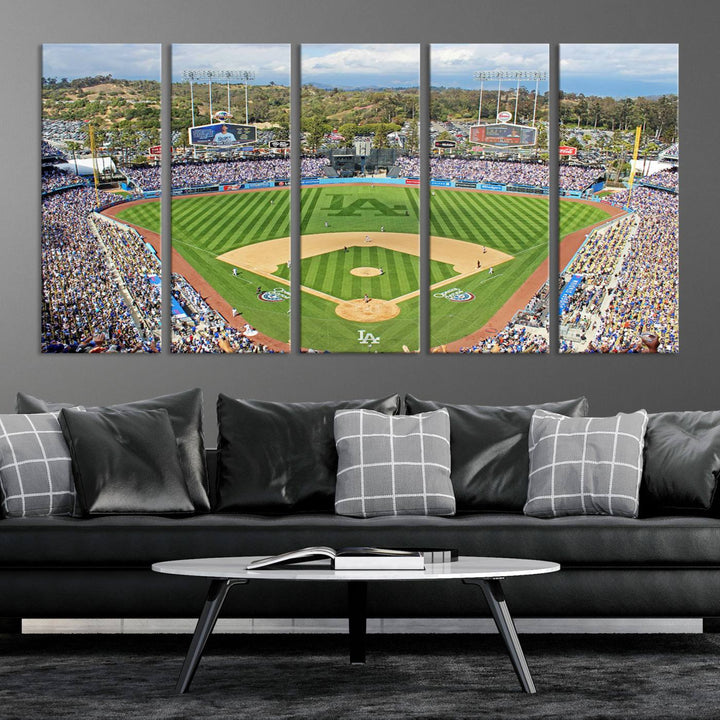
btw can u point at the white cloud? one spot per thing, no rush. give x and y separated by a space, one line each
268 61
320 62
122 61
632 61
456 59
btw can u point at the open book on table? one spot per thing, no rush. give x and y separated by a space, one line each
350 558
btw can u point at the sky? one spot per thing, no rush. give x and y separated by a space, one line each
270 63
142 62
627 70
455 65
619 70
122 61
350 66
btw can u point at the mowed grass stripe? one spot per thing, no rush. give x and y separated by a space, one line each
281 227
474 230
404 274
248 211
239 220
193 213
412 198
454 216
308 209
495 215
499 231
146 215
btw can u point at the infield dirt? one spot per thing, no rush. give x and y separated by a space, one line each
264 258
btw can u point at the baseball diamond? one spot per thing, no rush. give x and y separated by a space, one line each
484 247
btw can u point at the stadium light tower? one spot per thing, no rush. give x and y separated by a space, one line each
219 75
191 75
518 76
247 75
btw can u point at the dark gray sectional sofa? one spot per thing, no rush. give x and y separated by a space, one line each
666 564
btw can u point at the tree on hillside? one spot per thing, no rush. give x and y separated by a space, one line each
315 128
413 137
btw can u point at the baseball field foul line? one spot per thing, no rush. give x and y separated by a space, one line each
263 258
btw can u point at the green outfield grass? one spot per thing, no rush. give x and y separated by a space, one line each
206 226
368 209
517 225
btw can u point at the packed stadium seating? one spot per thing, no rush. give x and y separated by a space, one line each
498 171
194 174
630 273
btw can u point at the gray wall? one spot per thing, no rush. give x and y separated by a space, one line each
611 383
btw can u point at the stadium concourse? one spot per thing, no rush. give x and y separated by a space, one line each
628 273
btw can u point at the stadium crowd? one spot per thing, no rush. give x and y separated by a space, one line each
229 171
52 179
83 309
502 172
92 266
135 262
513 338
630 285
664 178
203 330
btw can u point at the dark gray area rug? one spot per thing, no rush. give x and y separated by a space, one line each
408 676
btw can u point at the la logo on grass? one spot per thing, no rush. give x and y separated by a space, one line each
367 338
356 207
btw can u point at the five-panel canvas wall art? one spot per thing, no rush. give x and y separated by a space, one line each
366 179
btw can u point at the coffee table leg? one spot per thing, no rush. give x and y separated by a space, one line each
213 604
495 597
357 620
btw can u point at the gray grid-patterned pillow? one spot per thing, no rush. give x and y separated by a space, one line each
393 465
35 470
585 466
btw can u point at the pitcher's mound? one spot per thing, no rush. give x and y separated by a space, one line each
365 271
373 311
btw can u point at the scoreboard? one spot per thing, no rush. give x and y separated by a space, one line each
503 135
213 135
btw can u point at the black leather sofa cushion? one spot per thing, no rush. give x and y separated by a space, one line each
489 450
138 541
185 411
682 462
276 457
125 462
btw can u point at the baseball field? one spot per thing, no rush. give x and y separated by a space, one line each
362 240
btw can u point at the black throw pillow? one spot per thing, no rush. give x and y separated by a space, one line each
185 411
682 462
489 450
277 458
125 462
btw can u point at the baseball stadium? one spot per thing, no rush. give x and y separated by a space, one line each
359 260
358 240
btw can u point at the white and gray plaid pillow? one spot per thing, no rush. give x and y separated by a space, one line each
35 469
393 465
585 466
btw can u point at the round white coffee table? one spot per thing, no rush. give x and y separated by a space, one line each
485 572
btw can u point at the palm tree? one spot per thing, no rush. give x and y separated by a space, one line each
73 147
